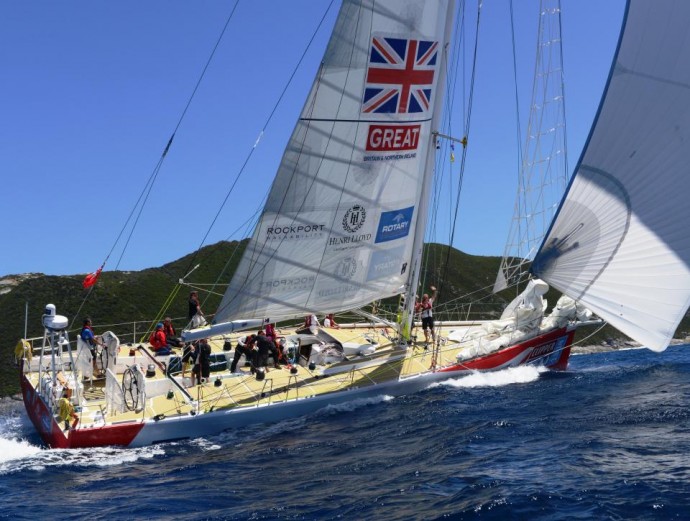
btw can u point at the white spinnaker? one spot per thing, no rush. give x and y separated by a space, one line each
337 230
620 242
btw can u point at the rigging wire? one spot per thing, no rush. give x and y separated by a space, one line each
543 174
518 130
148 186
299 147
451 85
152 179
463 155
466 134
247 225
263 129
562 75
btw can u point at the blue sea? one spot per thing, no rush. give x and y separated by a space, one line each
608 439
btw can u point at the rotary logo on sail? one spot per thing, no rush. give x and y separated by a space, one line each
394 225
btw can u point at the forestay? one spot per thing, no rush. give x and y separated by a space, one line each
619 243
338 227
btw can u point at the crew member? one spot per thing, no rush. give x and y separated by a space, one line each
189 354
170 334
329 321
244 347
66 410
202 367
312 323
159 342
194 305
427 315
271 333
91 340
264 347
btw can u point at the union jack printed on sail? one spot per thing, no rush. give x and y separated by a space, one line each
400 76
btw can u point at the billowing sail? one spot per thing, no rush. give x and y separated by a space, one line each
620 242
338 227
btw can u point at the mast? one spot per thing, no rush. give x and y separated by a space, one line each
405 324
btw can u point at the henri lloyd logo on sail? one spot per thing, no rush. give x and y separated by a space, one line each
347 268
353 220
344 271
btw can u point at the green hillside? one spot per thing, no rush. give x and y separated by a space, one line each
121 298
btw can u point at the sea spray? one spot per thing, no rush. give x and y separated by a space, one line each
512 375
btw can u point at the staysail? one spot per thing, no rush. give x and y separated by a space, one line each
337 230
619 243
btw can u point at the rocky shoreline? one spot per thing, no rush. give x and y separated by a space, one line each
615 345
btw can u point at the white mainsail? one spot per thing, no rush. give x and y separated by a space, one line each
337 230
619 243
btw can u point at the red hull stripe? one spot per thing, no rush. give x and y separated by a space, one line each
520 354
54 437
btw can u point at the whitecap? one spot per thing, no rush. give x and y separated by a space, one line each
18 454
355 404
512 375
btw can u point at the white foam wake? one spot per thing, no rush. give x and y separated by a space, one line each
17 454
355 404
513 375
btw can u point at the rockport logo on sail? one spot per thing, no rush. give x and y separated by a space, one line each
394 224
290 283
294 231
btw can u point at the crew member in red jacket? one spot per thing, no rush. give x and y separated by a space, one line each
159 342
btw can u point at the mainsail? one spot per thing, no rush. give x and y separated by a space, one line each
619 243
337 231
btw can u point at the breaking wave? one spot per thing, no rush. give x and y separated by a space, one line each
513 375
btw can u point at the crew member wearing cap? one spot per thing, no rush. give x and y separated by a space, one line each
159 342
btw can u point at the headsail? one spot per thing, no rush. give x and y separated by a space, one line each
337 230
619 243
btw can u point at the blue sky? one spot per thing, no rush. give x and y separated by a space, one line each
92 91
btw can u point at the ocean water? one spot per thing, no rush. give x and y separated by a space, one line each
608 439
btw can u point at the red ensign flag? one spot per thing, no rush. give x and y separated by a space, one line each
91 278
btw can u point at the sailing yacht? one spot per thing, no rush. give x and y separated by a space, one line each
344 225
